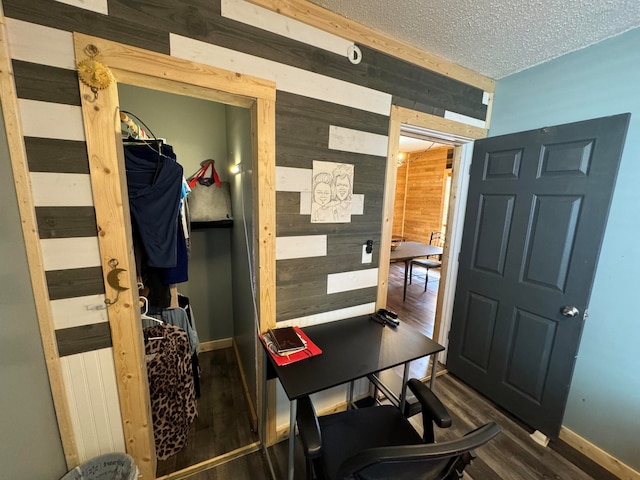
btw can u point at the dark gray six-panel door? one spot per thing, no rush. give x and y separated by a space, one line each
536 212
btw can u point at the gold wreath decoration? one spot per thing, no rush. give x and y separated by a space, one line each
94 74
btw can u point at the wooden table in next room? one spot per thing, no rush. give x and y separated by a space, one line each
407 251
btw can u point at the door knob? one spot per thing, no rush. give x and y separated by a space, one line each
570 311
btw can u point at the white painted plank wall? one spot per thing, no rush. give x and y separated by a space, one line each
78 311
67 253
330 316
99 6
303 246
264 19
38 44
91 388
290 179
51 120
354 280
357 141
61 189
287 78
458 117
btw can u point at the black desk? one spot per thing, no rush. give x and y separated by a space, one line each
351 349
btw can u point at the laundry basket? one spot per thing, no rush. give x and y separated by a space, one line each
110 466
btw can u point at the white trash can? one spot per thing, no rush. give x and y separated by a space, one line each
110 466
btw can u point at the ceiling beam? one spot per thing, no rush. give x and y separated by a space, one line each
323 19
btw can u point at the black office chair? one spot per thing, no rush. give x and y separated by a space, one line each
434 261
379 442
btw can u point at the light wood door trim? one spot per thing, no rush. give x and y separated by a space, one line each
393 148
108 183
102 129
323 19
263 130
20 168
440 124
232 85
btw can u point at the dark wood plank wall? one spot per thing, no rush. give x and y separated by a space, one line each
302 135
81 339
53 155
302 127
57 85
136 31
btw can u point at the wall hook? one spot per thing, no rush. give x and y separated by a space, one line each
114 281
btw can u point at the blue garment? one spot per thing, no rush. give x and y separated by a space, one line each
154 183
179 273
179 318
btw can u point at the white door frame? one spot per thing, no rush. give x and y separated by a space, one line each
455 224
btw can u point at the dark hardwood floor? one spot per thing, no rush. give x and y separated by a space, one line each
223 423
512 455
418 310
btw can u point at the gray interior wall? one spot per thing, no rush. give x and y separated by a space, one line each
197 130
31 446
240 151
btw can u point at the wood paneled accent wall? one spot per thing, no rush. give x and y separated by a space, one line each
420 190
326 109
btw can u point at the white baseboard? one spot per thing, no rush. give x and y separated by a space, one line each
216 344
595 453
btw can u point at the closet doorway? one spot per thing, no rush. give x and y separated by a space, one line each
231 269
218 293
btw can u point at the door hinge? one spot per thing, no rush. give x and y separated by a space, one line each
586 314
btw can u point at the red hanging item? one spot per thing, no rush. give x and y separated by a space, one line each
202 174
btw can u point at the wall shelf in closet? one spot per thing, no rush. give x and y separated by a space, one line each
217 224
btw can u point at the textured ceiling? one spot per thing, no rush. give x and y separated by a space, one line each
494 37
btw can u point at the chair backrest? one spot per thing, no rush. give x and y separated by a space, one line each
436 238
435 461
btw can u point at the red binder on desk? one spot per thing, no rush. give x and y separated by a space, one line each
311 351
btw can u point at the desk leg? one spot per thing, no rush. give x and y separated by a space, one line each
406 271
403 390
350 395
293 407
434 367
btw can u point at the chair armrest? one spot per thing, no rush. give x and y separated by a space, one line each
308 428
433 411
431 405
461 448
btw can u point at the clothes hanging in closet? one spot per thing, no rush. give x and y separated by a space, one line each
171 387
177 317
183 302
154 184
156 188
181 317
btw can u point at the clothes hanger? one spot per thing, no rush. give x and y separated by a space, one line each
144 316
145 309
149 142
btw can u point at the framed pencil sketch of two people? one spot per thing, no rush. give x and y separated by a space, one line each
331 192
